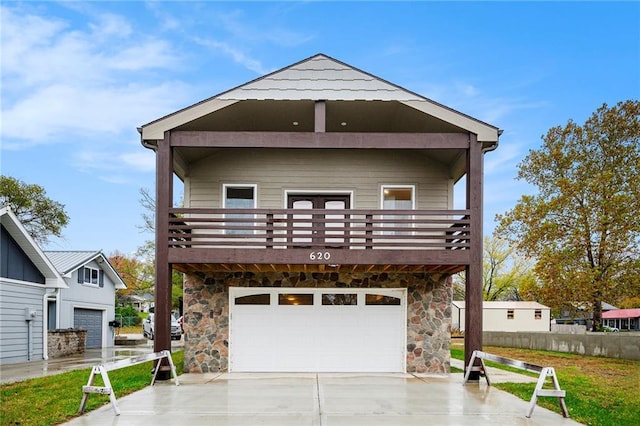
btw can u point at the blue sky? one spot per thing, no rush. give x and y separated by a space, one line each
78 78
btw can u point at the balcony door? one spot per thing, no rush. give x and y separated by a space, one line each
322 229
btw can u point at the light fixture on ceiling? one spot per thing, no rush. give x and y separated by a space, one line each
343 124
295 123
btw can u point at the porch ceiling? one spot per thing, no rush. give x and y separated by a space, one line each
298 116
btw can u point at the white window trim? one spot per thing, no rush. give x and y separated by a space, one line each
89 283
254 186
239 185
395 186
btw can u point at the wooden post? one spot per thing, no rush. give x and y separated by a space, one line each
164 200
473 272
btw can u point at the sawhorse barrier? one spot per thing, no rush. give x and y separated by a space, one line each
107 389
544 372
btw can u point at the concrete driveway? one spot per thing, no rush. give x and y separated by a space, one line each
244 399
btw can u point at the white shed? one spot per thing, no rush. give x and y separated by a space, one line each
506 316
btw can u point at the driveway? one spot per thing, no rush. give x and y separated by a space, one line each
244 399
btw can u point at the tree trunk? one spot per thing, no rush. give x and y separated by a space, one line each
597 315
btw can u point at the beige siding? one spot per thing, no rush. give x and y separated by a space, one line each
360 172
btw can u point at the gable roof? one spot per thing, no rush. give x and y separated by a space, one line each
69 261
319 77
20 235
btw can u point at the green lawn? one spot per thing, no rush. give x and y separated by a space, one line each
600 391
55 399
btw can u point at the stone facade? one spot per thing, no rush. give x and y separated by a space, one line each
206 310
66 342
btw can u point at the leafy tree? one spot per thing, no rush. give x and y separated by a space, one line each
137 274
505 275
583 226
41 216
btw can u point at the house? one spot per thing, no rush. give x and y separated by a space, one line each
28 280
141 303
506 316
622 319
318 231
88 302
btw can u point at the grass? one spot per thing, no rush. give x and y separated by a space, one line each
56 399
600 391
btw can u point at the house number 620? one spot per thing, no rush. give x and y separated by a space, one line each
319 255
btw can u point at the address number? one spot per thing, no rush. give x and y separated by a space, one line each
319 255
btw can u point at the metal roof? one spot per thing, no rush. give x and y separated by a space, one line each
69 261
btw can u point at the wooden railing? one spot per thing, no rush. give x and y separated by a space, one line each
298 228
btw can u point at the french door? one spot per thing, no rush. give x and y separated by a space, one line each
324 229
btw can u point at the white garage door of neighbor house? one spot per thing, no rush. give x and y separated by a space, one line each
317 330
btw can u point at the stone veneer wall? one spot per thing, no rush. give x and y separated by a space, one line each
64 342
206 310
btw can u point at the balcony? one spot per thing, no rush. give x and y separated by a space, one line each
262 240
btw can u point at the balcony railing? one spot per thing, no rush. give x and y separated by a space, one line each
339 229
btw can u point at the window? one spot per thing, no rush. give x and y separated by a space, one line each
339 299
254 299
510 314
538 314
91 276
295 299
379 299
396 197
239 197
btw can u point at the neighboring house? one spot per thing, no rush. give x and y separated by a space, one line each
89 300
28 280
140 303
318 231
506 316
581 314
622 319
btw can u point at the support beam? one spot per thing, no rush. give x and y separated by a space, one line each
164 201
473 290
345 140
320 122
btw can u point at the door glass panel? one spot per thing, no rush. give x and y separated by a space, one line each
339 299
295 299
334 221
253 299
302 227
379 299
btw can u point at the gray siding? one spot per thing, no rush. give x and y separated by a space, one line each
359 171
14 298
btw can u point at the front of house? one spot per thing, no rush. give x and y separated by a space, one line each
88 302
318 231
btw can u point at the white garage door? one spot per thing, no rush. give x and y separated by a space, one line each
317 330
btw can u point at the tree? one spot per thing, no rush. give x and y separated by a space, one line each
148 250
505 275
137 275
41 216
583 225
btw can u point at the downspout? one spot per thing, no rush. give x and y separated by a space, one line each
45 321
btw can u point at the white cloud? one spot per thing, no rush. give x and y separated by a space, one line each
234 53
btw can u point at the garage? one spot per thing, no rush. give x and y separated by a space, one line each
91 320
317 330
